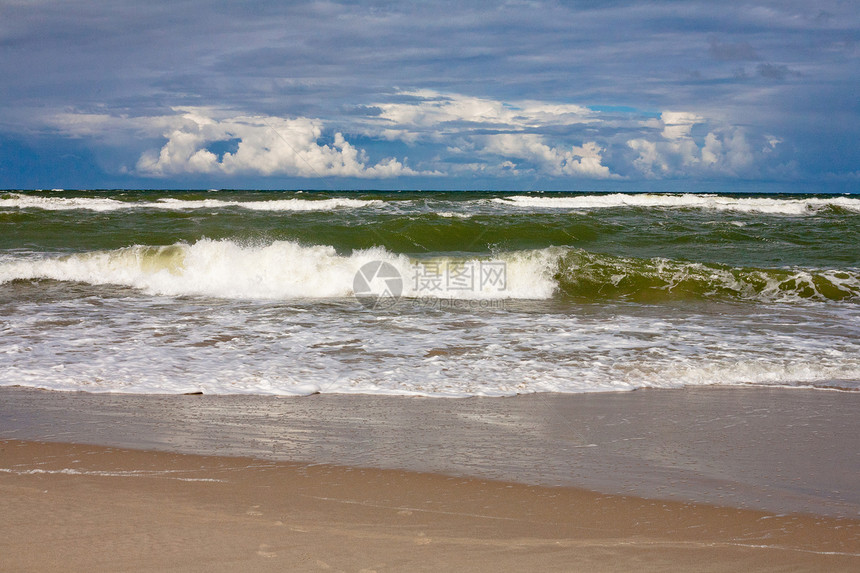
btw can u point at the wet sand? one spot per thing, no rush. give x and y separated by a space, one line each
84 508
709 479
780 450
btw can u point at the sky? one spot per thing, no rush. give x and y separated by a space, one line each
563 95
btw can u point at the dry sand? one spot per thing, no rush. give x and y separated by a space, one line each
90 508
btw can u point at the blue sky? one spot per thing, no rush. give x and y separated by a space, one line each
430 95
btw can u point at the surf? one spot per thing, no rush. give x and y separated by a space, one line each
287 270
758 205
107 204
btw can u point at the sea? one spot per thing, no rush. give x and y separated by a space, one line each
443 294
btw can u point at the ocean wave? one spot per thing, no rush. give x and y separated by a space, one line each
593 276
225 269
765 205
794 206
290 270
21 201
287 270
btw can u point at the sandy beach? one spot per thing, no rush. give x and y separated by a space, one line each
366 494
74 507
773 449
376 287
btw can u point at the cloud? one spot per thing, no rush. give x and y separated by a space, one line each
453 135
423 77
722 151
677 125
426 78
513 132
732 51
553 139
573 161
432 109
258 145
104 126
775 71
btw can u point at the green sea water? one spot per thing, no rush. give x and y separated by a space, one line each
651 289
753 240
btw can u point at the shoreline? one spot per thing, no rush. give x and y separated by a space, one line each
770 449
698 479
82 507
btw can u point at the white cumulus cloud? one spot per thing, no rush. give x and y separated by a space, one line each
434 114
724 150
263 145
487 127
450 135
578 161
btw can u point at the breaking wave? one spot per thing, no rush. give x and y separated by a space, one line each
766 205
21 201
289 270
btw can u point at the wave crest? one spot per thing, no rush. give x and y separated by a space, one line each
593 276
21 201
282 270
289 270
766 205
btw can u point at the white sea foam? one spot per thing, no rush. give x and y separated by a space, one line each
286 270
165 345
270 205
21 201
766 205
167 474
